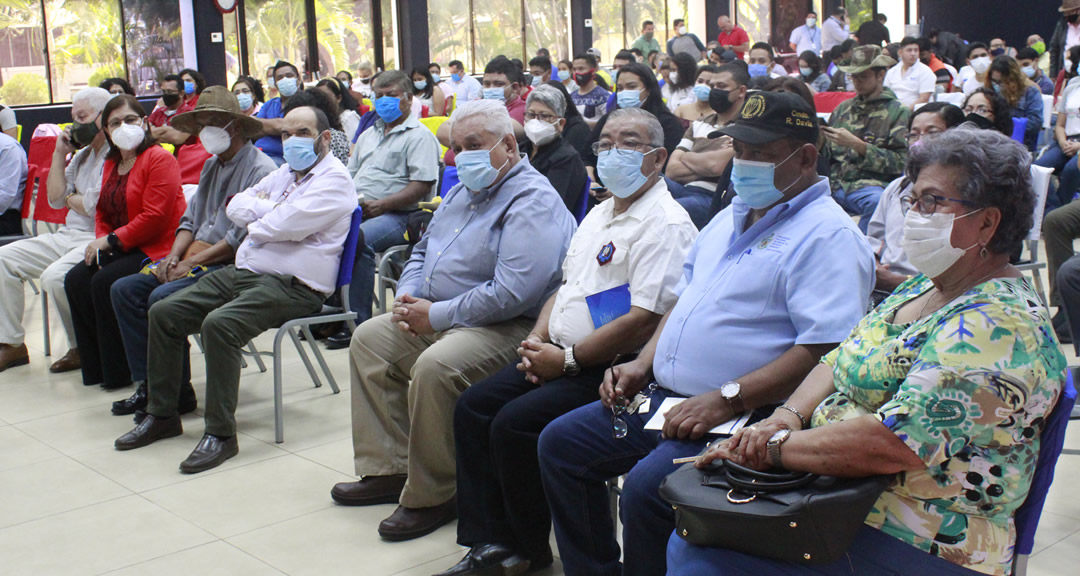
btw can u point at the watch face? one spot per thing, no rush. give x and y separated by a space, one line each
730 390
778 436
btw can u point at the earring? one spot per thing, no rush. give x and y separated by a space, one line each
984 253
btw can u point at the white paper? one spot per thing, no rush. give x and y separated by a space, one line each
727 428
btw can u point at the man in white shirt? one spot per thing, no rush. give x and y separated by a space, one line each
50 256
297 219
971 77
807 36
911 80
761 61
465 87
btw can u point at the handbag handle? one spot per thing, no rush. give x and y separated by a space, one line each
746 480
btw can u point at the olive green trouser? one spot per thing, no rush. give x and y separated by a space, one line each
228 307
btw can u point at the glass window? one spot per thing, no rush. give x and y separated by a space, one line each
22 49
449 33
607 30
84 44
638 11
232 48
754 17
275 31
344 33
546 27
389 36
859 12
498 30
154 45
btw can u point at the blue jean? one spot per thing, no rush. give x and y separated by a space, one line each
695 200
379 233
578 454
1068 176
862 202
873 553
132 298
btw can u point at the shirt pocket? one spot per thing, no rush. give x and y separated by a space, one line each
750 285
391 162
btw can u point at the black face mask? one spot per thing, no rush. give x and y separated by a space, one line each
83 134
981 121
719 100
1072 18
170 100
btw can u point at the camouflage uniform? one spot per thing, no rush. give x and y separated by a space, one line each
881 123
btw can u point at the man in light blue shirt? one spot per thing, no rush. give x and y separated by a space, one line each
774 282
469 295
12 182
835 30
807 36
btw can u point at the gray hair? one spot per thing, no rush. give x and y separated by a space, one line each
394 79
548 96
365 65
656 131
996 172
94 97
492 114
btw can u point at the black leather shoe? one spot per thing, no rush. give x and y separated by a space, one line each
211 452
339 340
129 405
148 431
408 523
369 490
489 560
187 402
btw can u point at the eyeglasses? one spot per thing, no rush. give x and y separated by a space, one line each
130 119
599 147
913 137
618 406
980 110
928 203
549 118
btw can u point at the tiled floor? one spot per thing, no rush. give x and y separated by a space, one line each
70 504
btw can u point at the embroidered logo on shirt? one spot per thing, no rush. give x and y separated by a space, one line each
606 253
765 241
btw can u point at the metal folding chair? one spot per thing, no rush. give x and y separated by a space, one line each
1040 178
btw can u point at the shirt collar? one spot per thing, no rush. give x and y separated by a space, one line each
641 207
409 123
740 209
320 167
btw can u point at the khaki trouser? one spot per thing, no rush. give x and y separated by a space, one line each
403 394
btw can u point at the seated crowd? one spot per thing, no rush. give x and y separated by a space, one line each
512 378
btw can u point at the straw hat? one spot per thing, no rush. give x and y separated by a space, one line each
219 100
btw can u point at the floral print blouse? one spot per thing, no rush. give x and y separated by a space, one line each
967 389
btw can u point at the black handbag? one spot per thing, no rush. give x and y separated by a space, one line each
792 516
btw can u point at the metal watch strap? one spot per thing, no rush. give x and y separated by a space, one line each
774 455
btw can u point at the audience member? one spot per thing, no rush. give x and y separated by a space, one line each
286 81
469 294
973 75
647 43
1036 43
448 91
590 97
426 93
1028 60
188 151
987 110
911 81
1022 95
345 77
762 62
810 72
138 209
1061 154
117 86
566 75
465 87
998 48
870 401
13 172
806 38
49 256
548 152
732 38
699 107
886 228
874 32
316 98
503 83
634 245
193 85
297 219
575 131
393 167
540 69
365 74
339 93
840 54
684 42
680 89
249 95
944 74
172 103
795 238
866 147
700 162
205 239
950 47
835 30
271 84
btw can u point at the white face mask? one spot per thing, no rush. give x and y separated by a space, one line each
215 140
981 64
928 241
540 132
128 136
682 30
674 77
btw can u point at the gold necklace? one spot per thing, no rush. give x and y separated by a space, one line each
968 287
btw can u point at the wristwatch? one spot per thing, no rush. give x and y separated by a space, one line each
732 392
570 366
773 445
113 240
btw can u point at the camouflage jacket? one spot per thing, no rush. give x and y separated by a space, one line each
882 123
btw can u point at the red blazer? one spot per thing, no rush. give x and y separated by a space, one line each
155 203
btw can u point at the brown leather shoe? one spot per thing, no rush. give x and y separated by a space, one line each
369 490
150 430
11 356
408 523
211 452
67 362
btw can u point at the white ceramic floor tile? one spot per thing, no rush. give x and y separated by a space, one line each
344 540
252 496
96 539
1053 528
337 455
312 418
31 392
17 448
1061 559
214 559
57 485
93 429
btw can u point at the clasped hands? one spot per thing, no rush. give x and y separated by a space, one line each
410 315
540 361
171 269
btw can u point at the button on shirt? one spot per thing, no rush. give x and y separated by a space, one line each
383 164
296 228
493 254
82 176
205 215
806 38
651 240
918 79
12 173
801 275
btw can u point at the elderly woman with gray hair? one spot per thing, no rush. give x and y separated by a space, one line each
947 384
549 153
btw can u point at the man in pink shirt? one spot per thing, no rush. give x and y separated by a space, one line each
732 37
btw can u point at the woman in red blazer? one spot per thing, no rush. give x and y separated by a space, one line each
139 208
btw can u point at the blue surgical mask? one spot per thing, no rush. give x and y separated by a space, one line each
435 78
701 92
620 171
287 86
536 80
997 88
754 183
299 152
455 77
564 75
388 108
189 87
757 70
475 170
495 94
1028 71
805 72
629 98
420 84
245 100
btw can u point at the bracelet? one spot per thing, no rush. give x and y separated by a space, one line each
802 420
